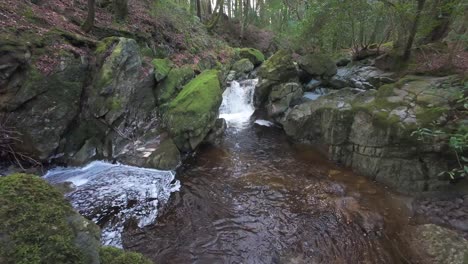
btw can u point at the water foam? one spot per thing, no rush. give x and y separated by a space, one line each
111 194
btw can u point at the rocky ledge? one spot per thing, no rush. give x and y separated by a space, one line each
369 130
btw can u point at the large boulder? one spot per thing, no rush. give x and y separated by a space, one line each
367 77
41 106
120 108
166 156
318 65
279 68
39 226
242 67
255 56
283 96
192 114
372 131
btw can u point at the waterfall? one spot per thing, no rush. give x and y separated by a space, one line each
237 106
111 194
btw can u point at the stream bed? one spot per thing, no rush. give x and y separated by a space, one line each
254 198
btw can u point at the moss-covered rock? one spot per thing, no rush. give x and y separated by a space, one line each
112 255
162 67
191 115
173 83
372 131
255 56
37 225
243 66
318 65
279 67
43 106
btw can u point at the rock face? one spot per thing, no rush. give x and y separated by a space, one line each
282 96
276 70
39 226
192 114
439 245
75 112
371 131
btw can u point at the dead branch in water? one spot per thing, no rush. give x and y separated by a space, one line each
9 137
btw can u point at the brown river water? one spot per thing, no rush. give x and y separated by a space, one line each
259 198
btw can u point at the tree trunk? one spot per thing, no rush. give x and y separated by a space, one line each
199 9
89 23
413 31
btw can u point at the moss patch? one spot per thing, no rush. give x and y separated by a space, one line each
112 255
255 56
162 67
194 110
33 226
106 44
173 83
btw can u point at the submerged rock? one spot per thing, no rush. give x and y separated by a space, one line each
192 114
439 245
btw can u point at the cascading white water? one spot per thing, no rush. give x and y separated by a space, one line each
237 106
111 194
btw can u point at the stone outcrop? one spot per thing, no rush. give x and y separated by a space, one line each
371 131
104 105
318 65
192 114
278 69
253 55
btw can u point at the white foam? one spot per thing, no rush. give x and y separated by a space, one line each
263 122
114 193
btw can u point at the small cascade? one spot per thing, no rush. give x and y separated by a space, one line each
237 106
111 194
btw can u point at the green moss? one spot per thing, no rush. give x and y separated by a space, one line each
147 52
194 110
114 103
173 83
255 56
112 255
33 226
162 67
197 94
105 44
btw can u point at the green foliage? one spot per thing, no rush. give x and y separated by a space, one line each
33 225
457 141
112 255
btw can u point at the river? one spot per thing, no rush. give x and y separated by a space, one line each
257 197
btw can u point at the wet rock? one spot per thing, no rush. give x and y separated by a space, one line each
371 133
217 132
166 156
439 245
282 97
343 62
